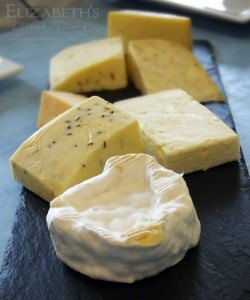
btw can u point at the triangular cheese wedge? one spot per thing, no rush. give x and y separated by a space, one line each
94 66
157 65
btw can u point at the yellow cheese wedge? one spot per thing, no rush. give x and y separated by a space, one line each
137 25
157 65
55 103
74 147
181 133
94 66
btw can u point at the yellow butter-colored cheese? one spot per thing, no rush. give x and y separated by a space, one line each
181 133
137 25
74 147
54 103
158 65
94 66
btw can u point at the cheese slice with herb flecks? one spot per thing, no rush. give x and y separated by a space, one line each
74 147
157 65
93 66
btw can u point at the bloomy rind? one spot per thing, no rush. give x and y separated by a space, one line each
156 243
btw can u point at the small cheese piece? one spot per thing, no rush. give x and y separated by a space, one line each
157 65
138 25
74 147
131 222
55 103
181 133
94 66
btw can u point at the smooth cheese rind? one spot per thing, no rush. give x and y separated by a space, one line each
54 103
130 222
74 147
94 66
137 25
181 133
157 65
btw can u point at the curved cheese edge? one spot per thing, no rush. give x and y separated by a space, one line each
130 222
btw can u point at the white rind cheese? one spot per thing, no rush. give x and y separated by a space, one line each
130 222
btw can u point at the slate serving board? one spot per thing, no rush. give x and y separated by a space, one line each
218 268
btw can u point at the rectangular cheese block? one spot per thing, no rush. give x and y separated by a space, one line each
181 133
74 147
158 65
94 66
54 103
137 25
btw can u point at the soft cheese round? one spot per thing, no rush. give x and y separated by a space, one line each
130 222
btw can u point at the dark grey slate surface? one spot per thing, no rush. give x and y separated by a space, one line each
217 269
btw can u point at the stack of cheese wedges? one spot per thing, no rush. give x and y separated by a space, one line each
159 57
78 135
118 215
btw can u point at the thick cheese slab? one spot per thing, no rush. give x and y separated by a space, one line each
94 66
130 222
181 133
157 65
74 147
137 25
54 103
